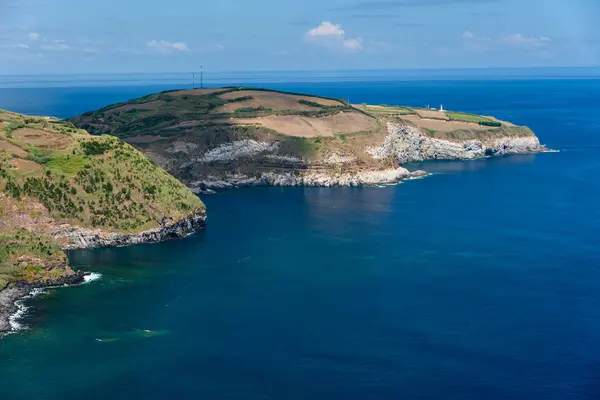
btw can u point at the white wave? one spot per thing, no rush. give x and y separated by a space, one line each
94 276
415 178
22 310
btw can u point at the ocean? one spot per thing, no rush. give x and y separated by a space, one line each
481 281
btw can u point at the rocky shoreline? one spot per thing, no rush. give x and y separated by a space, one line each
404 143
75 238
13 292
305 178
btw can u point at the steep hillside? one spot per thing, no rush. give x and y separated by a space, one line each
240 136
61 188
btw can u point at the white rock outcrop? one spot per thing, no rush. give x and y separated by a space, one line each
238 149
307 178
409 144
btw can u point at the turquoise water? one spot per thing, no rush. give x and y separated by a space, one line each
479 282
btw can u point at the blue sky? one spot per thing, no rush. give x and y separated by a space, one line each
75 36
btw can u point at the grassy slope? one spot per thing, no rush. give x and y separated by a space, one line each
52 171
164 116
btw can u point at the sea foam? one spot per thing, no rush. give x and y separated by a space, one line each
22 309
94 276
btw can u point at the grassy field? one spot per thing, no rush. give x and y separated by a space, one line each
384 110
52 173
464 117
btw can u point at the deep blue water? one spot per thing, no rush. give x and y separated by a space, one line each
479 282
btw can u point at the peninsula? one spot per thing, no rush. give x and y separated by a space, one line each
234 136
63 189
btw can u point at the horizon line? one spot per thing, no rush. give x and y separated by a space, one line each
451 69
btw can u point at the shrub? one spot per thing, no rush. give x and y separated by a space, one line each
13 126
240 99
13 189
490 123
39 155
310 103
253 109
95 148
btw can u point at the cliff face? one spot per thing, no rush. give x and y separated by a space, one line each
75 238
409 144
403 144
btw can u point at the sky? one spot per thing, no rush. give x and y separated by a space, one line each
153 36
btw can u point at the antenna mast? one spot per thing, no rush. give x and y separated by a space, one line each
193 80
201 77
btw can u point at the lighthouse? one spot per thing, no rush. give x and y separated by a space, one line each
441 107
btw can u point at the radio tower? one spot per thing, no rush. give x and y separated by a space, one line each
193 80
201 77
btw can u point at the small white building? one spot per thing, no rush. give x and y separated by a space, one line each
441 107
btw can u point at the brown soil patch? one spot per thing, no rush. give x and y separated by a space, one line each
25 165
275 101
444 126
11 148
195 92
43 139
151 105
295 125
432 114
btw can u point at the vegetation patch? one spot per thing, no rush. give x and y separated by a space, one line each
490 123
465 117
69 177
259 109
70 164
95 147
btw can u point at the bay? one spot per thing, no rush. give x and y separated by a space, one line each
480 281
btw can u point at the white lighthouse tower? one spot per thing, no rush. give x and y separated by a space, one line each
442 107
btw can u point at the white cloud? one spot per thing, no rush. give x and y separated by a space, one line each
468 35
165 47
34 36
220 47
326 29
520 40
355 44
333 36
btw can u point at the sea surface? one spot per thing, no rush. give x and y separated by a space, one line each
481 281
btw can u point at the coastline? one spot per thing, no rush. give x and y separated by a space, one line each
13 293
74 238
77 238
305 178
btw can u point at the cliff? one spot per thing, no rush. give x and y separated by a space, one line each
408 144
63 189
229 137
